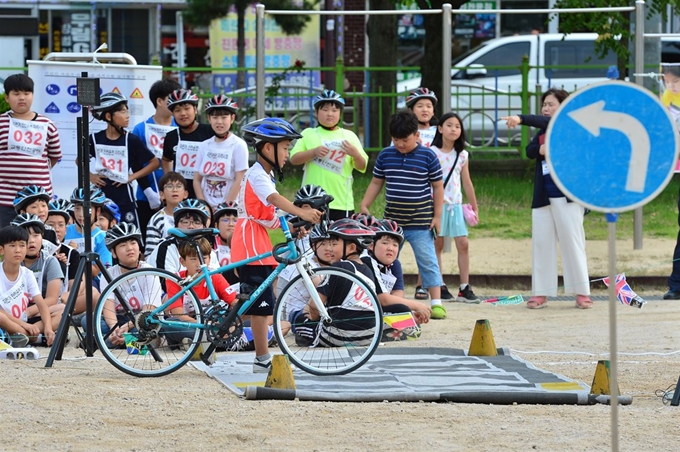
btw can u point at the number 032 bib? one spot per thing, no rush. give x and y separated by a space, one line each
27 137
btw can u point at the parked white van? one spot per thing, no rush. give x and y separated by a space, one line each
481 94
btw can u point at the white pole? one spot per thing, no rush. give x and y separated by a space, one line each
180 45
259 62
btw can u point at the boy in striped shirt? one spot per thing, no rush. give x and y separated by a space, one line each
29 146
412 176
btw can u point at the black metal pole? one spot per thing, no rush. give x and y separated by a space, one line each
84 155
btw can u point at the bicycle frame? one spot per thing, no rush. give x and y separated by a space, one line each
206 274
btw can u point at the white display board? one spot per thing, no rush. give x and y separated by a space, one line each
55 97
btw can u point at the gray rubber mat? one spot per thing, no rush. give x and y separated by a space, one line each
412 374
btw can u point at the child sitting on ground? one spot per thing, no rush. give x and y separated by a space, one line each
189 214
74 232
224 219
349 239
33 200
183 310
58 217
109 215
18 288
173 190
125 242
45 267
382 260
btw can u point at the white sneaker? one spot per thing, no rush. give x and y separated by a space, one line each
262 366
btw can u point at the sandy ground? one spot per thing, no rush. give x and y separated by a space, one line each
86 404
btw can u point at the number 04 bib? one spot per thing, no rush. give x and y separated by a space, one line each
27 137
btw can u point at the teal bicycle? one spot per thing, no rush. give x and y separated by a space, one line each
137 302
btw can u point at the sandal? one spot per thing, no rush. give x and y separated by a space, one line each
583 302
537 302
421 294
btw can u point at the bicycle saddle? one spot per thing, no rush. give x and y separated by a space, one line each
192 233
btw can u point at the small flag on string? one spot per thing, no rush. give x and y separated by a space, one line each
624 293
502 301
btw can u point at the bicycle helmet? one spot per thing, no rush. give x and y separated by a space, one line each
97 197
319 232
29 194
309 193
367 220
220 101
269 130
61 207
329 96
107 103
191 206
420 93
225 208
389 228
352 231
112 208
120 233
26 220
181 96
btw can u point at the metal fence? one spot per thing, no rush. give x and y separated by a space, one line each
480 107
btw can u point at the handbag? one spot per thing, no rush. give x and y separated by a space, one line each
470 216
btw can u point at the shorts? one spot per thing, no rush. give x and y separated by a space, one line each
453 222
254 275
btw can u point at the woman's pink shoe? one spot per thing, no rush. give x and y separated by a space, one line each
537 302
583 302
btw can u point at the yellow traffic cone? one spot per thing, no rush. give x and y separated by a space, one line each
281 374
601 379
482 343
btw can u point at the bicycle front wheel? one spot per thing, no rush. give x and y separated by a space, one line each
342 343
149 347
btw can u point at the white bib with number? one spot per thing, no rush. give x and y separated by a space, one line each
112 161
186 154
224 255
388 281
335 159
155 136
27 137
216 162
427 135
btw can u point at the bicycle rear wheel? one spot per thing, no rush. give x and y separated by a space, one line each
150 349
340 345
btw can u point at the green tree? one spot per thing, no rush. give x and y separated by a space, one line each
382 38
431 65
203 12
614 28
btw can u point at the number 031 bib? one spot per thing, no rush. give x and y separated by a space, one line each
112 161
27 137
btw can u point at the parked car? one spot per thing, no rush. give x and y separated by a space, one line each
486 82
